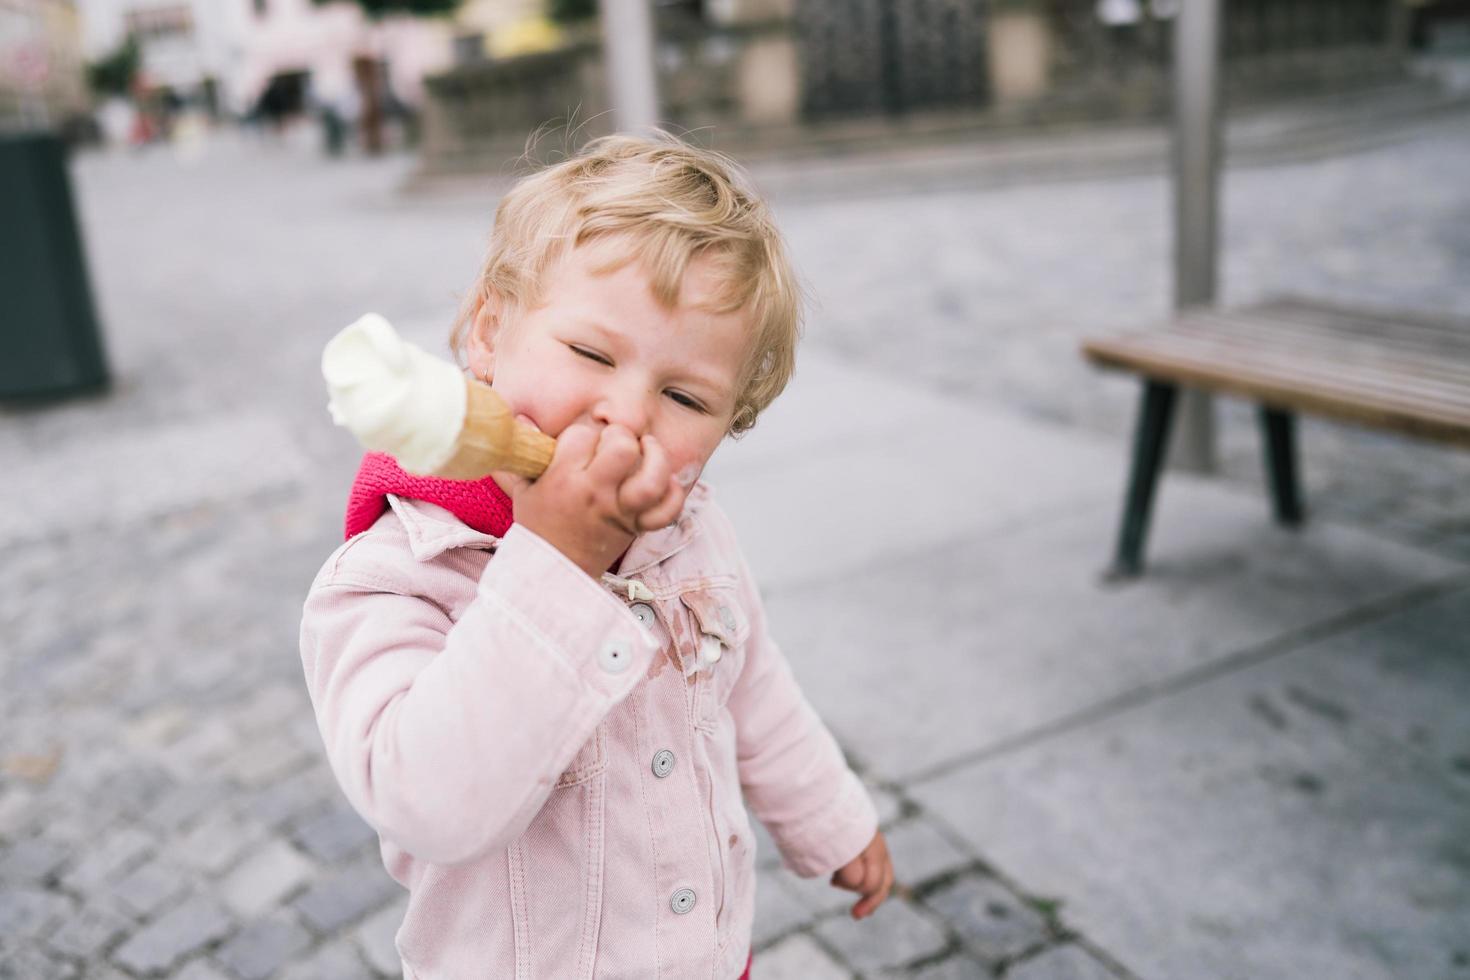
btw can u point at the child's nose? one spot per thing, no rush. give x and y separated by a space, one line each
625 405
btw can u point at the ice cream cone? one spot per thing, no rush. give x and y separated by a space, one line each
491 439
422 410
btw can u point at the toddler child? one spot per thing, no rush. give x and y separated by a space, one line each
554 699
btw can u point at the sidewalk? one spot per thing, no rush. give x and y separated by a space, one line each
1253 762
1176 768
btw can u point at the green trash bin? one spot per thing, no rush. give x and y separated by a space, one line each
50 345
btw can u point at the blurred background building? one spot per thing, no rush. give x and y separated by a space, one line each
474 77
269 59
755 69
42 76
471 78
241 57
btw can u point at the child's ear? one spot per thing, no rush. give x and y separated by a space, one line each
484 332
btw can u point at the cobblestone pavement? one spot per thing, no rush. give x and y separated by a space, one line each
150 608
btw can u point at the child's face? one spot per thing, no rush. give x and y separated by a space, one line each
601 349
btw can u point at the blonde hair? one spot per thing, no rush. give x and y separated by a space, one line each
673 203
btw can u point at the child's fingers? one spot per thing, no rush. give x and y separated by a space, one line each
667 510
886 887
872 875
849 877
649 482
866 906
575 447
861 880
511 483
615 457
876 886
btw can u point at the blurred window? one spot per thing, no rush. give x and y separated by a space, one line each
1118 13
469 49
160 22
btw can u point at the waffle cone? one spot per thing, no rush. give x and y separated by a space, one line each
491 439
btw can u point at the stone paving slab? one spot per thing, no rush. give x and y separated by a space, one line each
1403 675
956 967
1262 823
800 958
778 912
188 927
897 935
993 924
263 946
1061 963
970 652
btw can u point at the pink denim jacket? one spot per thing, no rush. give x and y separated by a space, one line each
555 765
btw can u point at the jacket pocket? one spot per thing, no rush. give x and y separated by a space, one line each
590 760
717 638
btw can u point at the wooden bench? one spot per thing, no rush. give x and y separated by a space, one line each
1405 372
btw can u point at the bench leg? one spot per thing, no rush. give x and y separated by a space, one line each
1149 439
1278 430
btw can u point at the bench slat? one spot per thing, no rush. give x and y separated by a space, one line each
1434 369
1413 420
1376 322
1408 372
1282 365
1331 344
1290 390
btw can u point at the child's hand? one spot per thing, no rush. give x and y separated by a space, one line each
870 873
604 486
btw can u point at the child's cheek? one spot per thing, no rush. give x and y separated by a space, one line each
554 410
687 474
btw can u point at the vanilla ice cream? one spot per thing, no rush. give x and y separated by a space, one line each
393 396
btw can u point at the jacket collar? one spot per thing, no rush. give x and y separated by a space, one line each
652 547
433 530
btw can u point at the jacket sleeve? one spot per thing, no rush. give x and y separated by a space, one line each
448 737
792 771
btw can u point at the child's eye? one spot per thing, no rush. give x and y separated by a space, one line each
591 355
682 399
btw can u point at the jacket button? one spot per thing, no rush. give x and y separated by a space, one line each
663 763
682 901
727 617
615 656
643 612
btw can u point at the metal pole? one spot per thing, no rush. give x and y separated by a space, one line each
1196 201
632 81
